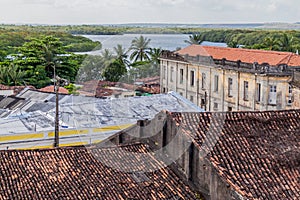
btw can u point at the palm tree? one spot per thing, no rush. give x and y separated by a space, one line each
121 55
140 48
107 57
47 49
16 75
286 43
11 75
194 39
155 54
271 43
4 75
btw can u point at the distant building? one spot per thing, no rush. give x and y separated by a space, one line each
107 89
227 155
231 79
149 85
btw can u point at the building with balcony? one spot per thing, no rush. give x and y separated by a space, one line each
232 79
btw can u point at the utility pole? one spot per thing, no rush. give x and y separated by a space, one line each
56 132
57 80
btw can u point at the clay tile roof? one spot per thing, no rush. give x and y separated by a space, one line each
16 89
149 80
88 173
244 55
257 153
50 88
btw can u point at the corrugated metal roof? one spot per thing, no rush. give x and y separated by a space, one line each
88 112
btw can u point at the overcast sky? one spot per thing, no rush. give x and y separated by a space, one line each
154 11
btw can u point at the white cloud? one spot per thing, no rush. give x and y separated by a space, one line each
123 11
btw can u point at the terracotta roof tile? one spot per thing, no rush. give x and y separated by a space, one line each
245 55
99 88
257 153
81 173
50 88
16 89
150 80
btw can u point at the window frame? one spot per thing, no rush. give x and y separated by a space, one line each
216 83
181 75
192 78
172 73
258 92
203 81
230 87
246 91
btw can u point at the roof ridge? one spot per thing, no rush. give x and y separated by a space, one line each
242 112
116 146
289 56
245 49
93 146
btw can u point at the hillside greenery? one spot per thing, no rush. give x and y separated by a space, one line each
13 35
28 54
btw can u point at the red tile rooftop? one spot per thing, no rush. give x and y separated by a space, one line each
150 80
244 55
88 173
50 88
257 153
16 89
105 88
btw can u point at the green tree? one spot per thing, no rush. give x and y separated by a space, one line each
106 66
40 56
115 71
286 43
140 49
271 43
155 55
91 69
233 42
4 75
2 55
107 57
11 75
72 89
42 51
121 55
194 39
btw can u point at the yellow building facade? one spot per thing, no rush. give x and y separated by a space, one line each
225 85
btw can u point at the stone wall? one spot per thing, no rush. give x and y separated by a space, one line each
175 148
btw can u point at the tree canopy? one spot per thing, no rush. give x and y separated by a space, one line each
140 49
194 39
36 60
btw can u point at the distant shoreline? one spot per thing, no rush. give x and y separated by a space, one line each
271 25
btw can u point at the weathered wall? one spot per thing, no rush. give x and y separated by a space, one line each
207 97
165 136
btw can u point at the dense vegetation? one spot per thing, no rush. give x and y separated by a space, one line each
41 59
125 65
36 60
255 39
12 35
16 36
28 54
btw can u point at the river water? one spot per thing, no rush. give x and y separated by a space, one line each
165 41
